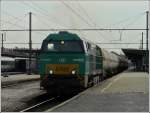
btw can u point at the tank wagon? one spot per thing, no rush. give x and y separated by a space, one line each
69 63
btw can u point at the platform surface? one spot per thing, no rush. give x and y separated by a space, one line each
12 79
125 92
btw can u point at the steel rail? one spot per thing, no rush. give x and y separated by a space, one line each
10 85
37 105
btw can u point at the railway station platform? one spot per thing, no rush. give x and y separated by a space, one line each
14 79
125 92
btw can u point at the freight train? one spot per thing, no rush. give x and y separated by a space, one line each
68 63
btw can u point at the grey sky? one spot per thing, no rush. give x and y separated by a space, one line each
57 14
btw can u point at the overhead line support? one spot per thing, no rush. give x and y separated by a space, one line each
2 48
147 28
69 29
30 41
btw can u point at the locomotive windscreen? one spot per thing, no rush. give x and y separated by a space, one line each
62 46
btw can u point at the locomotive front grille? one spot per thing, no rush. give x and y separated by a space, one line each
61 69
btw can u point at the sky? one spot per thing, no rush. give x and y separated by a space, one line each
75 14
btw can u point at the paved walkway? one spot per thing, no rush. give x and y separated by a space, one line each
125 92
18 78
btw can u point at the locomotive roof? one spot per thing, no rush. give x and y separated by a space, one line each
63 35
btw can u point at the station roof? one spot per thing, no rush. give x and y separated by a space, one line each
136 53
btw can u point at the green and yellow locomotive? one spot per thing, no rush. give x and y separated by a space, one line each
69 63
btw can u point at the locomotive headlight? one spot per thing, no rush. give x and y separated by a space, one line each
73 72
51 72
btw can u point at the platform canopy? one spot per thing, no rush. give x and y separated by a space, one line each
139 58
134 52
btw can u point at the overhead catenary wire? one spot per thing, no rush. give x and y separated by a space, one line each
47 13
21 19
78 15
102 47
43 13
111 29
41 43
15 24
120 32
41 21
74 12
126 19
95 24
77 29
132 22
17 19
71 29
134 17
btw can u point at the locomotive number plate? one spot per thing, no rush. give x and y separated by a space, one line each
61 68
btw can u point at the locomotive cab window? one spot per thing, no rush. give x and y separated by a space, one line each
63 46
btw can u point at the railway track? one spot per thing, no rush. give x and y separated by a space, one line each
6 74
11 84
46 104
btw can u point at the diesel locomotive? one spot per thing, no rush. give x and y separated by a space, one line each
68 63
